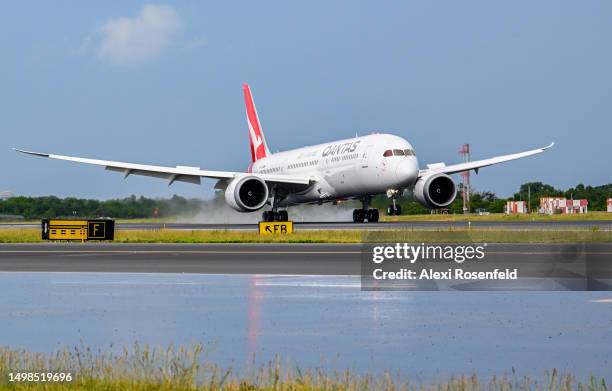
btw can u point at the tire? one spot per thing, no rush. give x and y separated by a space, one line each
358 215
398 210
373 215
361 215
267 216
283 215
390 210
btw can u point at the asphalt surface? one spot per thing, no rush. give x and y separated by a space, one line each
295 259
549 225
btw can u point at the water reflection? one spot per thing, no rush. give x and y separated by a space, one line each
255 297
312 321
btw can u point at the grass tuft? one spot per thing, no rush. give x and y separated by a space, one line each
143 367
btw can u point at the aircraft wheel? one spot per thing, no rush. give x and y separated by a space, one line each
267 216
398 210
358 216
372 215
283 215
390 210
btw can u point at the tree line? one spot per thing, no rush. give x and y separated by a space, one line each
530 192
143 207
125 208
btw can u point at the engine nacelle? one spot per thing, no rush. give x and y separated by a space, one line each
247 193
435 191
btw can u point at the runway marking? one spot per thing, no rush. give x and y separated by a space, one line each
254 250
547 252
172 252
308 285
601 301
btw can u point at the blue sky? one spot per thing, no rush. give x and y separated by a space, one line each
161 84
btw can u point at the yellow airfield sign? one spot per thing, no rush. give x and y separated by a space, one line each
275 227
57 229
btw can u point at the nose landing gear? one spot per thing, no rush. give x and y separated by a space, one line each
393 209
360 215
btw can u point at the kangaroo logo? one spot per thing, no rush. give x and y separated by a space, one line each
259 148
255 138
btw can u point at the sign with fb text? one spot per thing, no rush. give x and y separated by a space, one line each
275 227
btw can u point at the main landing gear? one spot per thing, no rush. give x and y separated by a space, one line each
270 215
359 215
275 214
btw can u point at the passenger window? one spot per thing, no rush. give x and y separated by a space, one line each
398 152
388 153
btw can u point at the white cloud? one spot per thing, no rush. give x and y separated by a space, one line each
196 44
131 41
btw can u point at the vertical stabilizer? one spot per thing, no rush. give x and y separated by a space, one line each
259 147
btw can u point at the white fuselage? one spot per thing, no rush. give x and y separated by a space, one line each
347 168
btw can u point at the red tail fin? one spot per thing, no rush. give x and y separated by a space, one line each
259 148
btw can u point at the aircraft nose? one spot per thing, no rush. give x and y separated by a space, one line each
407 171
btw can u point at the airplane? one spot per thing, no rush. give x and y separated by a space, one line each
351 169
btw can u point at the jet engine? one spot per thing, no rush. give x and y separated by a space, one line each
435 191
247 193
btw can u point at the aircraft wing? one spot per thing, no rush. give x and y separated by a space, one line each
477 164
173 174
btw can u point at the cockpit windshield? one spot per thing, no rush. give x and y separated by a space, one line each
399 152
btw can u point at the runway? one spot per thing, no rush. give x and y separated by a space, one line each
516 225
271 259
296 259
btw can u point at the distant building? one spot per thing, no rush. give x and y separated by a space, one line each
610 205
4 195
558 205
515 207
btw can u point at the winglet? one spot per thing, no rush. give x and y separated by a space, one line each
549 146
31 153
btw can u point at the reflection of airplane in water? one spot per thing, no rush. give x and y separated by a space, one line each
255 298
355 168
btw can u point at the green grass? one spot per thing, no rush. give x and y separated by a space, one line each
451 235
145 368
502 217
20 235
